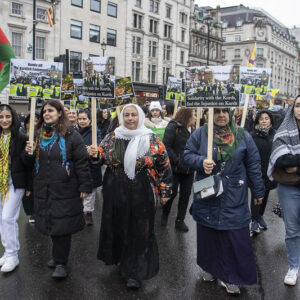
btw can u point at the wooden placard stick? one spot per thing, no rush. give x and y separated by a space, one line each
175 108
210 133
245 109
32 121
199 116
118 114
94 123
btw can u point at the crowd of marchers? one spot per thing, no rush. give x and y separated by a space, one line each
149 155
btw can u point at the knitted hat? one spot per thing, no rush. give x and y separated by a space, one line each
155 105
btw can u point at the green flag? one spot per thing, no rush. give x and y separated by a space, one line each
6 53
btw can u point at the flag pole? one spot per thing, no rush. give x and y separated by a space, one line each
33 29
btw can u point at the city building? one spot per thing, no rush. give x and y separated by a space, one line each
276 47
205 36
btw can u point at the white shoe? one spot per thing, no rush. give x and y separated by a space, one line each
2 260
11 262
291 277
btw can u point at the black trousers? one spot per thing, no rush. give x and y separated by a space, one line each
61 248
258 210
185 181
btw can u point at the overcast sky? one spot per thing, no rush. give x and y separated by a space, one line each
287 11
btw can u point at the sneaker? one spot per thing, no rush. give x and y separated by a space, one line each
291 277
164 220
11 262
133 284
60 272
2 260
231 288
207 277
254 229
88 219
31 220
181 226
51 264
262 224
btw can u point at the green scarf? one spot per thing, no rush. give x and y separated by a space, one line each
4 165
227 139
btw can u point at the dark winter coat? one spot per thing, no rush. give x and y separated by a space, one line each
230 210
175 138
95 167
57 204
103 127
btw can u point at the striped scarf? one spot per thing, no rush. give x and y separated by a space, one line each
4 165
286 140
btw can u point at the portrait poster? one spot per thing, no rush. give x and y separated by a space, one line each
254 81
99 77
174 89
212 86
32 78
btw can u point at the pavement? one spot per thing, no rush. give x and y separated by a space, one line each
179 276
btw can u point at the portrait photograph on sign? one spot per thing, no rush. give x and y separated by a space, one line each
67 88
174 89
99 77
31 78
254 81
212 86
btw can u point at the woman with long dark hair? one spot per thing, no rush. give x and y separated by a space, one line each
103 121
61 180
13 182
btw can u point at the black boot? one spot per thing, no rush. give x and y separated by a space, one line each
133 284
51 263
60 272
88 219
181 226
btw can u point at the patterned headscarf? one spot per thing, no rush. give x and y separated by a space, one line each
4 165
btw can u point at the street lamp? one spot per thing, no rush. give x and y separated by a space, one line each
208 21
103 46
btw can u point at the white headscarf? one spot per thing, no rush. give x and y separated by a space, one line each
139 141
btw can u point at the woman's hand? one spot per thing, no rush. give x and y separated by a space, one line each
92 151
83 195
208 166
29 148
163 200
258 201
291 170
27 193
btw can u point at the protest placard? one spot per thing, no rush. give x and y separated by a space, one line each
99 77
174 89
212 86
67 88
31 78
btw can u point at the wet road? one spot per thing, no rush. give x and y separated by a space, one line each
179 276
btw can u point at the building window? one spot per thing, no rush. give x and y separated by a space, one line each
93 55
223 54
183 35
77 3
154 6
166 72
16 42
183 2
168 11
111 38
259 65
167 52
94 33
136 44
112 9
137 21
260 52
138 3
136 70
237 38
40 47
181 74
75 61
237 53
41 14
182 57
167 31
76 29
183 18
17 9
95 5
152 73
153 26
152 48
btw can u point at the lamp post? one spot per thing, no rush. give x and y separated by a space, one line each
103 47
208 21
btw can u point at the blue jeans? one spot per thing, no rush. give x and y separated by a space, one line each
289 197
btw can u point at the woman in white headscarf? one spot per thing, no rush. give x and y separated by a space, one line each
138 172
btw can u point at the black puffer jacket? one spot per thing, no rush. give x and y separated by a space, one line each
175 139
57 203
